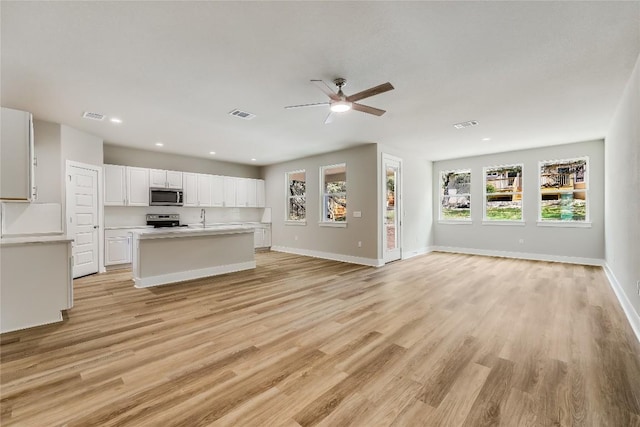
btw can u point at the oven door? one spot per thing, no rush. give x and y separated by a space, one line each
165 197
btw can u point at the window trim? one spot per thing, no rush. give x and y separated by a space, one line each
323 221
288 197
488 221
441 196
586 223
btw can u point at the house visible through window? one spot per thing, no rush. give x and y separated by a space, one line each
503 193
455 195
564 190
296 196
334 193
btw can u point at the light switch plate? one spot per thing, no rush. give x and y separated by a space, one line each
357 214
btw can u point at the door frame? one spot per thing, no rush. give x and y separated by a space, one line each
100 195
398 201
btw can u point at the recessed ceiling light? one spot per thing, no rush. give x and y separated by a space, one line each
486 139
159 144
212 153
115 120
253 160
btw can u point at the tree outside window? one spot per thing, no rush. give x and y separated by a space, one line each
334 193
455 195
296 196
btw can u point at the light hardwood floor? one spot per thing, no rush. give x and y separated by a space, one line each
438 340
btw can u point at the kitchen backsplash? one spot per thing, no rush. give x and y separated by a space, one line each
119 216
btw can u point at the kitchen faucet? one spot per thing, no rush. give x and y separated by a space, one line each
203 215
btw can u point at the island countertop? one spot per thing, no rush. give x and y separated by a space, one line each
191 231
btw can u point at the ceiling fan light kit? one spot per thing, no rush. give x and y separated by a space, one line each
339 102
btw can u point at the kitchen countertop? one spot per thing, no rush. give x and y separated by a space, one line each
34 239
130 227
192 231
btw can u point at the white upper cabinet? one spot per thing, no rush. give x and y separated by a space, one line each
260 193
160 178
230 192
204 189
217 190
241 192
252 188
190 189
114 185
137 186
17 156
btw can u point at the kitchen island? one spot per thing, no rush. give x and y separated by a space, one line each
170 255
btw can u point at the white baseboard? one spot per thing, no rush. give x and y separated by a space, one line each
632 316
192 274
421 251
371 262
521 255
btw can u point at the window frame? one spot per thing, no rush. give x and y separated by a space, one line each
489 221
442 196
288 197
323 220
586 179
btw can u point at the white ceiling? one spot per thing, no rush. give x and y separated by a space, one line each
532 73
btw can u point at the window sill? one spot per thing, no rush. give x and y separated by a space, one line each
333 224
455 222
564 224
507 223
303 223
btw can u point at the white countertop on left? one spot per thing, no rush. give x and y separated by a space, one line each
34 239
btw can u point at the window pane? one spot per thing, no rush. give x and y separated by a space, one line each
564 207
456 207
297 188
499 209
335 207
297 210
504 179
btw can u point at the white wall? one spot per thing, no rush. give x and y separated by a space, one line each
567 244
362 195
117 155
80 146
622 195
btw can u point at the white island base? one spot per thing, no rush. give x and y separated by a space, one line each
163 256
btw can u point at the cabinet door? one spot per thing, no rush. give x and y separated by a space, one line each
241 192
190 189
174 179
260 189
266 243
258 238
137 186
157 178
16 155
217 190
229 192
117 250
114 183
252 197
204 190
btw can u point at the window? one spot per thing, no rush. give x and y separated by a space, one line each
333 180
296 196
455 195
503 193
564 190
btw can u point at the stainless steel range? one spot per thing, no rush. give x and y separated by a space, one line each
164 220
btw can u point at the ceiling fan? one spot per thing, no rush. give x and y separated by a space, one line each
340 102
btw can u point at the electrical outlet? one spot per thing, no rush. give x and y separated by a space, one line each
359 244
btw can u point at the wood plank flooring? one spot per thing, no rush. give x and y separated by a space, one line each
437 340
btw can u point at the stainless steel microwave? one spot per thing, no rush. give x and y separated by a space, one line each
165 197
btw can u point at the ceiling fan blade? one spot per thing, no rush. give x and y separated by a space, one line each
367 109
318 104
385 87
329 118
326 89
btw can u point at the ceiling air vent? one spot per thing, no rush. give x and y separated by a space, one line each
242 114
93 116
465 124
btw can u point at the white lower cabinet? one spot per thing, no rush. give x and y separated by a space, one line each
117 247
262 236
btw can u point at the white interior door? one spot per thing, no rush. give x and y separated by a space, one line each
82 219
391 207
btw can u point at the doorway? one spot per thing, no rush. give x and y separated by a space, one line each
391 207
82 218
